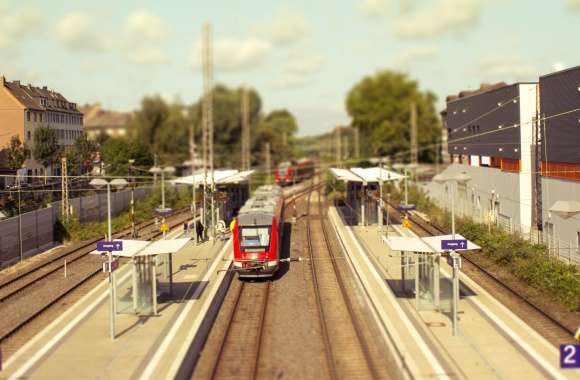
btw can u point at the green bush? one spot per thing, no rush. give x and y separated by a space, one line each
528 262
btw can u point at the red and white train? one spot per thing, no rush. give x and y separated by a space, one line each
257 233
291 172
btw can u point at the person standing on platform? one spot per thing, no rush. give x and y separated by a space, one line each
199 230
185 229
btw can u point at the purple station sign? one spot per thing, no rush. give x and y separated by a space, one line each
109 246
455 244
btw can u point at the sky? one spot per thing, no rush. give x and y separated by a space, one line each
302 55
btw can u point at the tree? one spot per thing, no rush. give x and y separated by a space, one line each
117 151
379 106
84 151
278 128
46 149
149 120
16 153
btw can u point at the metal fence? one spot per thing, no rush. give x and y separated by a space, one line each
34 232
557 247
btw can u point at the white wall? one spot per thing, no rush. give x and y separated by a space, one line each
553 190
528 96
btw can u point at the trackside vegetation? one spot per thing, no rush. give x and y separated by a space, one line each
528 262
74 231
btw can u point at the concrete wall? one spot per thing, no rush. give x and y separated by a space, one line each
37 227
565 230
475 198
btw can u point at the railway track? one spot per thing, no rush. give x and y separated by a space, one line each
543 321
238 353
43 285
349 351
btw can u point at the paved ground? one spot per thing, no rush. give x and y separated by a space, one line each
493 343
77 345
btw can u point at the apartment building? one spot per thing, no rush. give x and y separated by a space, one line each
98 121
23 108
490 136
559 143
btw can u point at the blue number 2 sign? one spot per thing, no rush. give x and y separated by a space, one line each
570 356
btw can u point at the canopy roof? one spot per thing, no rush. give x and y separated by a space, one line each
565 209
431 244
221 177
132 248
375 174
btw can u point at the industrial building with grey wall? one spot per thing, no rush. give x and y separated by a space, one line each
520 144
490 138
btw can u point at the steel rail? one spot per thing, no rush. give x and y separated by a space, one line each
60 296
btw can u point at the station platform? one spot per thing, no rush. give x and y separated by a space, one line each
492 341
77 344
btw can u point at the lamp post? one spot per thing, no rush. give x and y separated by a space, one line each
462 178
192 154
20 215
117 183
132 181
158 170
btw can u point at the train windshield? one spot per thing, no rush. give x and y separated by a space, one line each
283 168
255 237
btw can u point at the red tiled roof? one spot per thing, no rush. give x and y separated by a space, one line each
31 96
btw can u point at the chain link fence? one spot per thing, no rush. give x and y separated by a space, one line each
34 232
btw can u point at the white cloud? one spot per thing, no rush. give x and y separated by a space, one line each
144 35
299 70
506 68
232 54
559 66
16 24
285 28
77 32
374 8
442 16
415 55
145 26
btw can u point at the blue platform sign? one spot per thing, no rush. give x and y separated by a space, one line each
454 244
109 246
164 212
570 356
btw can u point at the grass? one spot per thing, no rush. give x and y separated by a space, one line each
73 231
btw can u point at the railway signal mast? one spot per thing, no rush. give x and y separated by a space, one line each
207 122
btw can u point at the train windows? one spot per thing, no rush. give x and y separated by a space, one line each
255 237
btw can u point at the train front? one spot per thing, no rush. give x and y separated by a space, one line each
256 245
284 174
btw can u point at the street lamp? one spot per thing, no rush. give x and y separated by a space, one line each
117 183
20 213
162 171
132 181
192 154
457 179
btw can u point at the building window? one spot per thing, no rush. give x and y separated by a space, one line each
28 135
27 115
41 118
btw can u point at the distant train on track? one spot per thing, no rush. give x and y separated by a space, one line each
257 233
291 172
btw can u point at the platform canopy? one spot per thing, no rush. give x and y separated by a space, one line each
221 177
431 244
133 248
366 175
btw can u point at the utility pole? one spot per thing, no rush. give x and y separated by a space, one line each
414 150
192 159
64 203
207 116
245 129
338 148
268 160
356 142
345 155
132 184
